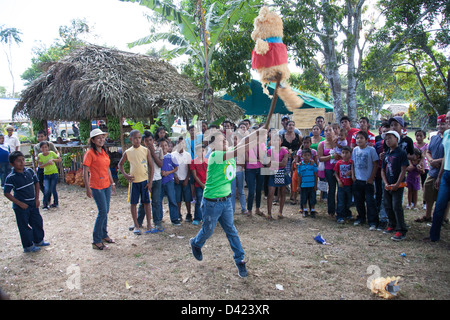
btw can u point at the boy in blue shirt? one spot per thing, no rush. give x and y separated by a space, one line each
25 203
307 183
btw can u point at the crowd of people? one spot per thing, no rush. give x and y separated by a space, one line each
207 172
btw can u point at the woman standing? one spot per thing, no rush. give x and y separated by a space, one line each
292 141
326 156
98 181
316 137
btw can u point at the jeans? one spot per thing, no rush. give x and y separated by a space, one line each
238 183
441 204
102 198
255 184
393 204
344 202
365 194
331 199
30 224
220 212
307 194
155 196
5 169
50 182
379 185
168 189
40 176
199 208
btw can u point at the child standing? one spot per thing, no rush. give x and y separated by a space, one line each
25 203
414 171
5 168
182 186
393 173
343 173
46 160
140 177
307 183
341 142
364 169
169 167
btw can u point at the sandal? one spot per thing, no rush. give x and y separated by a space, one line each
259 213
99 246
423 219
269 217
108 240
280 216
293 202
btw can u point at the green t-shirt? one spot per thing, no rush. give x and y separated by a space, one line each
219 175
51 169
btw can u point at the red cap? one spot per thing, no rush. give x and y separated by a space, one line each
441 118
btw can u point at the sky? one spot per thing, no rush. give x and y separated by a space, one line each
113 23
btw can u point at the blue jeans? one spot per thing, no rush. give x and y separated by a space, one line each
50 181
441 204
102 198
393 204
155 196
221 212
365 194
5 169
238 183
168 189
331 198
255 184
344 202
198 213
30 224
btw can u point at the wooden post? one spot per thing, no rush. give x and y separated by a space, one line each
274 100
122 140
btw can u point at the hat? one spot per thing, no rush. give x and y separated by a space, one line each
96 132
9 127
285 117
395 133
398 119
441 118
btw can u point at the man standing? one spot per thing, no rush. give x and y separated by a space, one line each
443 184
435 155
284 121
12 140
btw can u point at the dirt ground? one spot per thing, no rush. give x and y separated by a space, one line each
283 260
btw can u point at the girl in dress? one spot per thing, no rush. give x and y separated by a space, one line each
414 171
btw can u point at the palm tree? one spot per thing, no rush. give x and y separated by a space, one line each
199 33
7 36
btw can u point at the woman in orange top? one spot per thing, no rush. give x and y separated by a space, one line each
98 181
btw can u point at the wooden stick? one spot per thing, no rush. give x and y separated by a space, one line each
274 101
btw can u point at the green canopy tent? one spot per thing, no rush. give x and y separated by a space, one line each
259 103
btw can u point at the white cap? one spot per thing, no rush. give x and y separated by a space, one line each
395 133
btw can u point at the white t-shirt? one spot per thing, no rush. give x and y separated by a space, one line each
184 160
12 141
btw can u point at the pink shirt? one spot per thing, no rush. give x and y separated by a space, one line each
281 154
253 162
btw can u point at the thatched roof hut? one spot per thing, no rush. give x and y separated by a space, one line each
94 82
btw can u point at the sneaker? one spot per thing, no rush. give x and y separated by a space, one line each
188 218
154 230
382 225
357 223
45 208
408 207
176 223
242 270
373 228
43 244
137 231
398 236
340 221
389 230
53 206
195 222
424 207
305 213
312 214
196 251
31 249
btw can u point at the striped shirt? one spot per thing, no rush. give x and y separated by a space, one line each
23 185
307 173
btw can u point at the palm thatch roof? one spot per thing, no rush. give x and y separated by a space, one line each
94 82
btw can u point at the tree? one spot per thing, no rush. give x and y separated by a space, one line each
199 32
415 35
7 37
326 35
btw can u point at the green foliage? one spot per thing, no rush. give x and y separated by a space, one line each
85 127
37 126
113 125
126 167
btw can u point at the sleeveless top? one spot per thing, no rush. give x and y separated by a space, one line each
137 157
